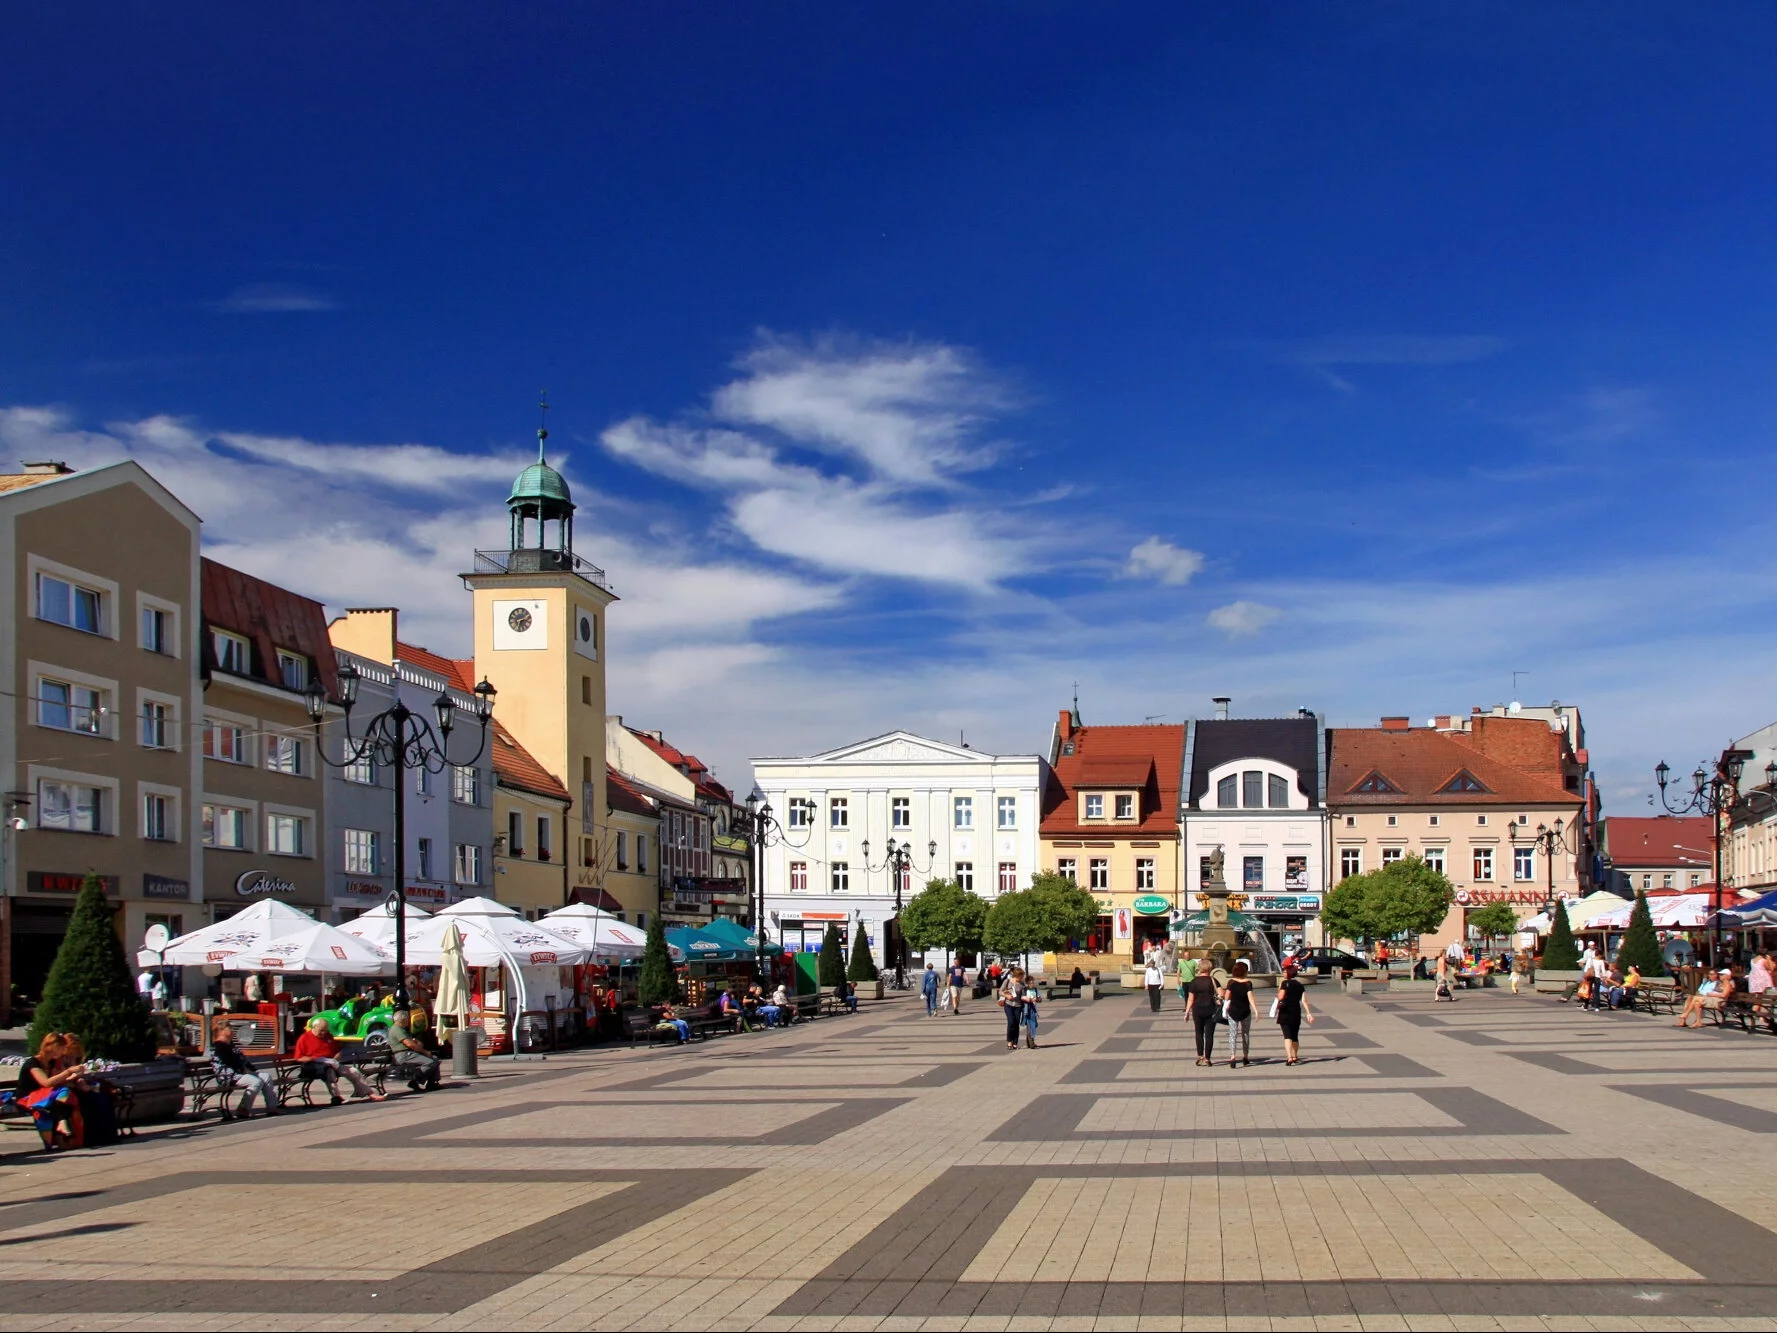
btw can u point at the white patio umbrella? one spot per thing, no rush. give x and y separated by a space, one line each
452 1000
596 929
270 936
378 925
494 934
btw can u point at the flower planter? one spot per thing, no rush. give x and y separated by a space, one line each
868 990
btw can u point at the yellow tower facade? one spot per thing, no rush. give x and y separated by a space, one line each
540 639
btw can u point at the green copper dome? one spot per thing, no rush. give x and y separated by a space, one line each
540 483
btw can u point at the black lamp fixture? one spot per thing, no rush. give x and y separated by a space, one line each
1713 795
897 860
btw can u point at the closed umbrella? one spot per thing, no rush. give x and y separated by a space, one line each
452 1000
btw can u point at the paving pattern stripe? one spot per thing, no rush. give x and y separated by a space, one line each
1716 1110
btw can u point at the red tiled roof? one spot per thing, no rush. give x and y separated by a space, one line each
514 767
1526 743
1148 758
459 672
689 764
1421 762
621 794
270 618
1665 842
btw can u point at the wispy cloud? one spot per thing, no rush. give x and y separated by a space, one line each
262 298
1161 560
1321 355
1242 619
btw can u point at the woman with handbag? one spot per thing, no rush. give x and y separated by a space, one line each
1011 1002
1201 1011
1289 1009
1237 1008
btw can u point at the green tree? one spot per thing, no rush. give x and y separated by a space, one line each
831 964
1560 954
1494 920
1052 911
1074 910
863 964
944 915
91 990
659 982
1404 897
1641 947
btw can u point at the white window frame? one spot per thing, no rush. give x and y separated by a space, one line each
361 851
1068 867
361 771
1524 864
1094 806
287 658
466 864
545 838
900 812
840 878
962 812
1433 858
172 732
220 637
965 875
801 812
1006 812
104 807
86 707
145 603
1124 804
464 778
104 589
1144 873
1007 877
303 821
214 721
423 859
838 812
154 791
248 811
1392 854
1483 873
798 877
515 834
1351 862
275 745
1098 874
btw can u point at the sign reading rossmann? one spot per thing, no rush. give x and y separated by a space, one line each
1519 897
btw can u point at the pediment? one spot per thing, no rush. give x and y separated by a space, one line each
901 747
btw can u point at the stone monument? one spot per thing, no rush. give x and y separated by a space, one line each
1219 939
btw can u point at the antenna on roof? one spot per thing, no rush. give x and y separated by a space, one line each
1515 676
1153 717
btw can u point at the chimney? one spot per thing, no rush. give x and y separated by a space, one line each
1221 701
1396 724
51 467
1066 724
369 631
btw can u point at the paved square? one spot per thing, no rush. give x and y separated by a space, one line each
1501 1162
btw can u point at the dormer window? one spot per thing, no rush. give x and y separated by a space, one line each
1252 789
1095 807
1374 784
1125 807
1464 781
1228 792
233 653
293 670
1277 793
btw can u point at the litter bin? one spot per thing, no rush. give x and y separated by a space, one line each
464 1053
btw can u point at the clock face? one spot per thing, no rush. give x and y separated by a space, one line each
520 620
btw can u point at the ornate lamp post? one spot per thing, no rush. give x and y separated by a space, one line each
761 824
1548 841
898 860
399 738
1711 794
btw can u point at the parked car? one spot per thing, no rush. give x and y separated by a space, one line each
1326 961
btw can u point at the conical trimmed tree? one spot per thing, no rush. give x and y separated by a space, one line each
659 983
1641 947
863 964
832 961
91 991
1560 953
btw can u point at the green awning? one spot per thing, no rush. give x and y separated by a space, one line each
733 932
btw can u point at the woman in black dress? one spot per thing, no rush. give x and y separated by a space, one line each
1202 1009
1237 995
1292 1008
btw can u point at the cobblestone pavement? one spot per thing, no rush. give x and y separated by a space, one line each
1501 1162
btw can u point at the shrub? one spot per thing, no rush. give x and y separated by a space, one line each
91 990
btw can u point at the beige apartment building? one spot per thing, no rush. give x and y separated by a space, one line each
531 830
100 661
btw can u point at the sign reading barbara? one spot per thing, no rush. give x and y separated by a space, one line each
1152 904
253 882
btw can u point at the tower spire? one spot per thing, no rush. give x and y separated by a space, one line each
542 418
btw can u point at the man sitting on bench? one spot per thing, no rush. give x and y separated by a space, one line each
410 1056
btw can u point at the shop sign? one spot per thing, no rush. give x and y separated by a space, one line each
159 886
428 893
1297 904
365 888
1152 904
1518 897
251 883
53 881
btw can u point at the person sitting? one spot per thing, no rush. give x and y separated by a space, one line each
670 1020
1704 998
1630 990
780 999
763 1007
319 1054
47 1087
1420 971
1078 980
843 993
409 1053
730 1010
235 1070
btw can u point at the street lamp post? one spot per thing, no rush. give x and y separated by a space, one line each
1711 794
399 739
897 860
760 823
1548 841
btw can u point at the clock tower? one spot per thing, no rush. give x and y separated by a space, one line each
540 638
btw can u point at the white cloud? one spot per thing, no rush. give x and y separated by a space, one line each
1239 620
1156 559
263 298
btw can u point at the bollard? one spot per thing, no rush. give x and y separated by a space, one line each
463 1053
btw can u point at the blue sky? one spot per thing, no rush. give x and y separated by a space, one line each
912 361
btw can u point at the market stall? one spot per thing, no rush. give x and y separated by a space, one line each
599 983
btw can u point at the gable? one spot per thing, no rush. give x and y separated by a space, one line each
902 747
1463 783
1374 783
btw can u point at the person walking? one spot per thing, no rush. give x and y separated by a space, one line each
1237 997
928 987
1154 980
1011 1002
959 978
1520 969
1030 996
1202 1010
1292 1008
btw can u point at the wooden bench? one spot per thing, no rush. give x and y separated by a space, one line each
1658 997
299 1078
1060 991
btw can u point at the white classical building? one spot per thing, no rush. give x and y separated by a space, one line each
962 814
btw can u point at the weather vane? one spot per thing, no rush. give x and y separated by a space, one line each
542 409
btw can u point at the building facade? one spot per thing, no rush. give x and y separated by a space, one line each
1662 854
702 859
626 879
1256 788
965 814
532 845
1111 824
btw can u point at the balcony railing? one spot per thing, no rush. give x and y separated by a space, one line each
534 561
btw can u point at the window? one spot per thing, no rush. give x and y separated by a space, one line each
801 812
1524 819
1008 876
545 838
1351 862
1647 881
363 852
225 741
1392 821
1464 781
361 770
468 863
1433 821
159 824
1144 873
1008 812
1434 858
514 833
1098 870
1252 874
1666 881
1126 807
69 707
1483 863
838 812
424 871
622 851
1696 878
1277 792
900 813
465 786
841 877
586 689
232 652
1392 854
641 856
1374 784
1350 821
157 630
965 875
1095 807
422 781
1481 821
283 754
905 876
963 811
293 670
65 603
1252 790
284 835
1068 868
1523 863
1228 793
157 725
225 826
798 877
